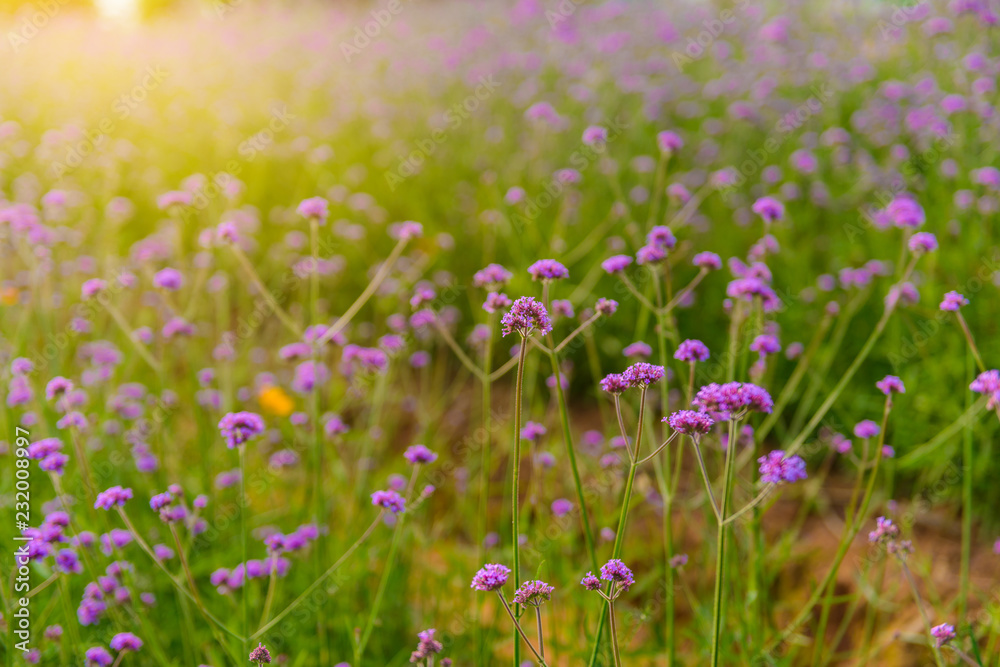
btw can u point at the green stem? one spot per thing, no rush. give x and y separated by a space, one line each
243 540
720 556
515 486
380 593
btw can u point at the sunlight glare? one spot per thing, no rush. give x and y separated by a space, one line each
119 10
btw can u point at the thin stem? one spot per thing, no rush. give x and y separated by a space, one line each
538 625
923 612
685 291
720 559
638 295
243 540
123 324
382 586
459 352
515 485
659 449
971 341
615 649
316 584
576 332
518 631
758 499
285 318
377 280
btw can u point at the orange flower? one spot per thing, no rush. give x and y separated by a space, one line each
276 401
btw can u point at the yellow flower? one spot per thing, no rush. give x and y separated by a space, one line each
276 401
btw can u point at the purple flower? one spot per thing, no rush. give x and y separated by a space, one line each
409 230
532 431
493 276
691 351
491 577
905 212
769 208
885 530
606 307
643 374
561 507
525 316
618 573
426 647
732 398
54 462
922 242
168 279
765 344
314 207
92 288
125 641
669 142
534 593
891 384
389 500
594 135
496 301
775 468
690 422
943 634
590 582
707 260
662 237
238 427
113 496
866 429
58 386
953 301
679 560
650 254
548 269
419 454
615 383
98 656
637 349
616 264
260 655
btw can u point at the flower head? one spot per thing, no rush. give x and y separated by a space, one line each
707 260
615 383
922 242
618 574
98 656
114 496
690 422
534 593
691 350
526 315
493 276
548 269
426 647
389 500
419 454
238 427
314 207
953 301
590 582
642 374
866 428
125 641
891 384
769 209
885 530
260 655
776 468
616 264
732 398
943 634
490 577
606 307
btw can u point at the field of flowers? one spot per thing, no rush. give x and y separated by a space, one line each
541 332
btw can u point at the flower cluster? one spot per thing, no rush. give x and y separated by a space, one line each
776 468
732 399
490 577
239 427
526 316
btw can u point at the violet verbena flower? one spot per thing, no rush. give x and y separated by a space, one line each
922 242
690 422
606 307
490 577
769 208
691 351
707 260
615 383
885 530
525 316
260 655
616 264
891 384
642 374
548 269
953 301
98 656
238 427
590 582
943 634
534 593
866 429
732 399
125 641
389 500
637 349
427 646
419 454
618 574
113 496
493 276
776 468
314 207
